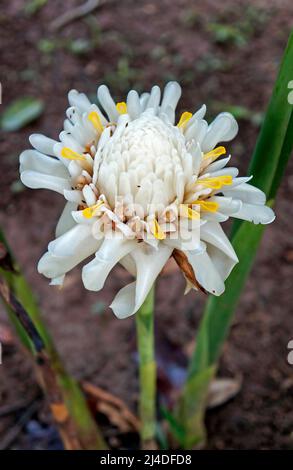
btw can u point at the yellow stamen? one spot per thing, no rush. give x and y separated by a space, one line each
214 154
189 213
217 182
71 155
209 206
121 107
91 211
185 117
96 121
157 231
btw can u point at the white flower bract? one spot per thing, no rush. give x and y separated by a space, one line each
140 188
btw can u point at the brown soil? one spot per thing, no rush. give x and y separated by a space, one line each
138 44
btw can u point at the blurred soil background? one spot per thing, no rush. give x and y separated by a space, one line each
225 54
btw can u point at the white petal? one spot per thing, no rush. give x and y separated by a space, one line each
80 100
95 273
143 100
70 242
205 271
55 266
198 116
89 195
227 205
149 263
191 131
73 114
171 96
200 113
256 213
230 170
218 165
129 264
66 221
215 216
195 151
108 103
247 193
36 161
42 143
224 128
201 131
154 98
167 115
80 219
212 233
57 281
36 180
73 195
184 240
68 140
133 104
237 182
222 263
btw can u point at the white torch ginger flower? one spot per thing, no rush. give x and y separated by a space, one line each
139 189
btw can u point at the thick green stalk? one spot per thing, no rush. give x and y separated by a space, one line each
273 149
71 413
147 371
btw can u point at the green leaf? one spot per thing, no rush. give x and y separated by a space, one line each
176 428
273 149
21 112
161 437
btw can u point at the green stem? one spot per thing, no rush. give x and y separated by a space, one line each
147 371
76 424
